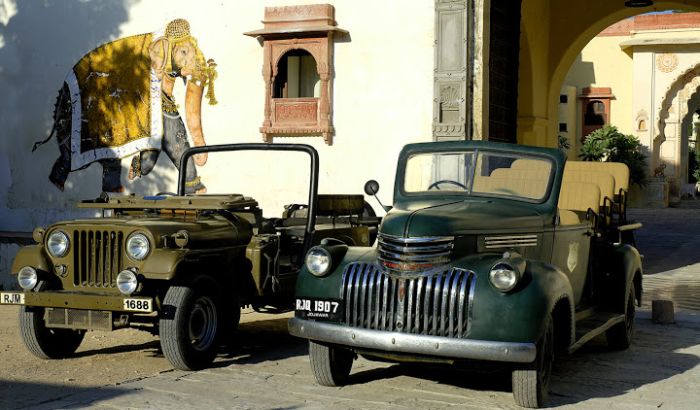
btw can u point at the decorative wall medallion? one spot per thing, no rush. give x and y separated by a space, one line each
666 62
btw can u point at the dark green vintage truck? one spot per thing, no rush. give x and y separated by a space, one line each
491 253
180 266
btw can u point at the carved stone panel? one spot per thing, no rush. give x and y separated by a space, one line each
450 113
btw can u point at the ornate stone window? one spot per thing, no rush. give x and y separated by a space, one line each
298 71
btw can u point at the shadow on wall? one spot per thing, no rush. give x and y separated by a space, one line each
40 41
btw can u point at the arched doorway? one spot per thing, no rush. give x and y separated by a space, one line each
553 33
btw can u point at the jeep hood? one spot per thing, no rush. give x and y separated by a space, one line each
444 218
210 230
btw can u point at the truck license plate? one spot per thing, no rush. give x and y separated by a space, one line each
312 308
138 305
11 298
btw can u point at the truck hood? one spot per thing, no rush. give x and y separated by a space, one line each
445 218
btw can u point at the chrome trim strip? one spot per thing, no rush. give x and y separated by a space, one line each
460 312
470 305
427 239
416 249
363 293
415 344
426 303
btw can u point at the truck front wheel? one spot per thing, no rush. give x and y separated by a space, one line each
43 342
331 365
531 385
189 327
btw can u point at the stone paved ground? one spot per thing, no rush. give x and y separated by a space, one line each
270 369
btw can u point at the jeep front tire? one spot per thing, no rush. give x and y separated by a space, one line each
44 342
189 327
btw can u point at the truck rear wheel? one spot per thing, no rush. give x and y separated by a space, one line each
189 327
620 336
331 365
43 342
531 385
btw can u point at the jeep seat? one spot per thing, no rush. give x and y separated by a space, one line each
335 205
577 198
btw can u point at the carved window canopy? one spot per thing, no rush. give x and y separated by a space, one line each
298 70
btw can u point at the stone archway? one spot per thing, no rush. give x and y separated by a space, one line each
670 144
553 33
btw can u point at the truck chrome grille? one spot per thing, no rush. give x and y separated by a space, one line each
414 254
437 305
97 257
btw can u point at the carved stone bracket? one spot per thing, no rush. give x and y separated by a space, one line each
309 28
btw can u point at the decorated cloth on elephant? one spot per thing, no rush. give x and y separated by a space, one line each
117 101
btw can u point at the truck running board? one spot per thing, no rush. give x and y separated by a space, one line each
593 326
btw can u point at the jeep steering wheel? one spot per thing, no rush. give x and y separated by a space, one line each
435 184
166 193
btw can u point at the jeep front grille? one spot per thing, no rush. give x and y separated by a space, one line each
437 305
414 254
97 257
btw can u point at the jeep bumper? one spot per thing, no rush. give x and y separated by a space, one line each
70 300
411 343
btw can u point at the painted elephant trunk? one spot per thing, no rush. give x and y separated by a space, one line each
193 112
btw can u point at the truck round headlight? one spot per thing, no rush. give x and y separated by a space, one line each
58 244
504 277
127 282
138 246
318 261
27 278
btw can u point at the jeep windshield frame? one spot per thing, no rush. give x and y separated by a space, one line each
313 179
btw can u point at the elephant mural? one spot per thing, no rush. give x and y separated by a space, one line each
118 102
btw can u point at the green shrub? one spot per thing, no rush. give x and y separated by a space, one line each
609 144
694 164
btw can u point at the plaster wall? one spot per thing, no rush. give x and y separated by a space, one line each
603 64
382 91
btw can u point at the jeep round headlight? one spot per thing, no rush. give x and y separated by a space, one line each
318 261
27 278
504 277
127 282
138 246
58 244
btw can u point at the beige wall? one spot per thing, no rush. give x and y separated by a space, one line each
603 64
383 90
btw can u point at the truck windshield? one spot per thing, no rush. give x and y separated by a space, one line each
479 173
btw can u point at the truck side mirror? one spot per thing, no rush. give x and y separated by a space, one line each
371 187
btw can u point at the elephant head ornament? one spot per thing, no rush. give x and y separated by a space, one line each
118 102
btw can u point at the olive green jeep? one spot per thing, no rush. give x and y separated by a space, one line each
180 265
492 253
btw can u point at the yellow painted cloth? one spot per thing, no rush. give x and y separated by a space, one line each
114 81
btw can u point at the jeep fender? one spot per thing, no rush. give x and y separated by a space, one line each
31 255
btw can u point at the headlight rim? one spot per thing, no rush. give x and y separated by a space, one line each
128 249
67 240
504 266
326 253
